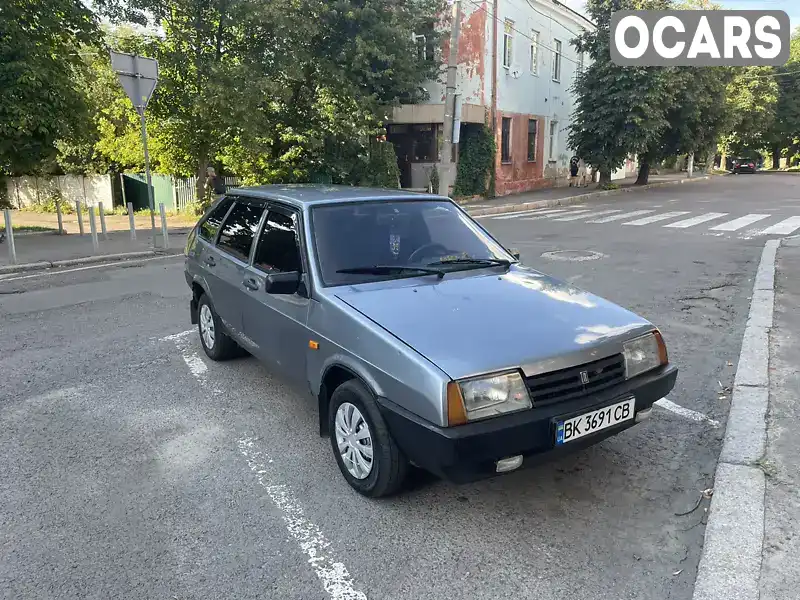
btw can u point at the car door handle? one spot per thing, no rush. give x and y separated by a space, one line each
250 283
210 261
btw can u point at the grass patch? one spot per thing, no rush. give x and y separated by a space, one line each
21 228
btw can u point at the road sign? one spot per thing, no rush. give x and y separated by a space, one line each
138 76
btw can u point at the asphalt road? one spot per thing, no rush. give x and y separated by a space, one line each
133 467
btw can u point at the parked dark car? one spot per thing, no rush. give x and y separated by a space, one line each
421 338
744 165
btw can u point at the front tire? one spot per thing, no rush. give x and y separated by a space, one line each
216 343
368 457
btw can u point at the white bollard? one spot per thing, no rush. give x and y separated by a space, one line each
164 233
12 250
93 227
131 220
80 216
102 220
60 218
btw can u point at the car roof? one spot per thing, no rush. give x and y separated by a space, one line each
306 195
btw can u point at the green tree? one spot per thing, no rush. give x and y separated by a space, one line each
619 110
39 101
785 127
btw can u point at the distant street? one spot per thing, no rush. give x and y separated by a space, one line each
133 467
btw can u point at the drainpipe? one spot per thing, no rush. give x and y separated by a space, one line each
494 80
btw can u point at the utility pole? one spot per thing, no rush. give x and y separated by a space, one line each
446 171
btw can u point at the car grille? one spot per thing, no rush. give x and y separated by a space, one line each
567 384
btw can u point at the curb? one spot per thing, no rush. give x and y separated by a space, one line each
498 210
730 565
40 266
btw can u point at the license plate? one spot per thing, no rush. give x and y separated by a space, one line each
592 422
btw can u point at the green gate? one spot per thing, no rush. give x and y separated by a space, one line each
135 191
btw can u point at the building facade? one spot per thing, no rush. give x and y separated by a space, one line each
516 67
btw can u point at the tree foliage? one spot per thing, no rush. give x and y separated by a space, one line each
40 102
620 110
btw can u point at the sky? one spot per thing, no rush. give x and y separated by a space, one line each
790 7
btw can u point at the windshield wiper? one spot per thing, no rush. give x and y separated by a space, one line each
472 261
389 269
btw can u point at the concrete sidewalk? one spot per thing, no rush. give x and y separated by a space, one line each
780 569
751 548
45 251
567 195
23 218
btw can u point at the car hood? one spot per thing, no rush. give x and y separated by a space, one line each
470 323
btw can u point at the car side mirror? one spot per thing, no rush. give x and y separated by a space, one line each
282 283
514 252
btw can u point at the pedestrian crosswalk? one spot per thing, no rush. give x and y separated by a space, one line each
766 224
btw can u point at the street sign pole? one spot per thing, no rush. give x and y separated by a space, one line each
150 201
138 76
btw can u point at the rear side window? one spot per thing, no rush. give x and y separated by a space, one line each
278 249
209 228
240 229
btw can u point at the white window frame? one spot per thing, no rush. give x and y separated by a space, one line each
553 144
558 56
508 43
534 58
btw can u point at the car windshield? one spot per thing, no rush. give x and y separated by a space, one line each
373 241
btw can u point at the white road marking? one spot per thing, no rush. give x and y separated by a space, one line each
515 215
634 213
696 220
738 223
544 214
571 217
685 412
785 227
518 213
177 336
656 218
55 271
333 574
197 366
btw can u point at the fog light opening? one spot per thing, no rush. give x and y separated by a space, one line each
644 414
504 465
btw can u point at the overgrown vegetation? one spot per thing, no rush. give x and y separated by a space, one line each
475 162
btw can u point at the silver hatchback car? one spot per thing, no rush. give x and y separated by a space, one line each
422 339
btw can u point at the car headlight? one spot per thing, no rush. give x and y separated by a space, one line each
644 354
480 398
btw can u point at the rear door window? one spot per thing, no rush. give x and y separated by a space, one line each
208 229
279 248
240 229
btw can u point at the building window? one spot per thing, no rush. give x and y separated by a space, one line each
508 39
505 140
424 48
553 139
535 52
556 60
532 130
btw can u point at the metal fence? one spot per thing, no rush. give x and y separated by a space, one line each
185 189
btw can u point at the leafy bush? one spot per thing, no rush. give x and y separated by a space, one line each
475 162
610 185
434 180
48 205
381 169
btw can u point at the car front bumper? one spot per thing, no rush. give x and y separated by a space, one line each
470 452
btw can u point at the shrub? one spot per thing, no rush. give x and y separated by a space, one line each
475 162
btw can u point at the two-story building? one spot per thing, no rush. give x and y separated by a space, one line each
516 67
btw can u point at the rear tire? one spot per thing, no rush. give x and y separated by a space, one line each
216 343
368 457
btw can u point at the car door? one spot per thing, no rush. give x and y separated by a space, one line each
206 254
276 323
233 255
